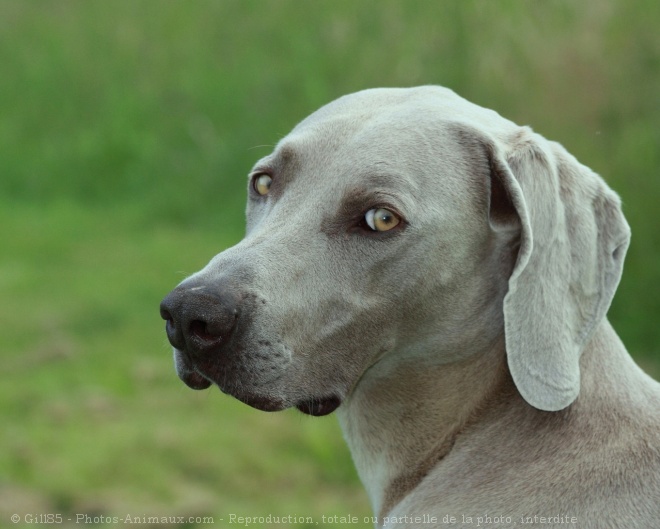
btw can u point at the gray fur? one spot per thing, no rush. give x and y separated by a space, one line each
477 373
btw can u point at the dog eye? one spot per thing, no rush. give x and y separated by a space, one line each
262 183
381 219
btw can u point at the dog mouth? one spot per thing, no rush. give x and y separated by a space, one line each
194 377
190 376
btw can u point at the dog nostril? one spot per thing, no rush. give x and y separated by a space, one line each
199 322
165 314
172 330
200 329
170 326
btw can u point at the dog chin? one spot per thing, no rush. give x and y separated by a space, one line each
316 407
193 377
259 402
197 380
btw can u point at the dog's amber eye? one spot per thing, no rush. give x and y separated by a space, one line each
262 184
381 219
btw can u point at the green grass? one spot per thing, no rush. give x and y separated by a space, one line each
95 420
126 129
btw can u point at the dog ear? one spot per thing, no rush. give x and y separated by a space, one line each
573 239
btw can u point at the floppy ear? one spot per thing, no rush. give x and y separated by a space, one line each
573 238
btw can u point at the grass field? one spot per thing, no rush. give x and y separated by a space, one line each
126 131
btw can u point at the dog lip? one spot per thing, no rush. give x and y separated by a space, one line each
318 407
190 376
194 380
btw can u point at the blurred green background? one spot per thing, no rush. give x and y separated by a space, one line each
126 132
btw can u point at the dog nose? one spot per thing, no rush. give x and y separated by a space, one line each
198 321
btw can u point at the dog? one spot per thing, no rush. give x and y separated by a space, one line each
439 276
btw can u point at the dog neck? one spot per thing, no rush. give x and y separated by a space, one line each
403 417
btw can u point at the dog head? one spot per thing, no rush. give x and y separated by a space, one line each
402 223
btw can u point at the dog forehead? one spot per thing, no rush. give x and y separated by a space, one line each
407 136
353 111
406 125
398 149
